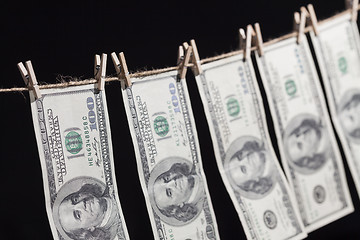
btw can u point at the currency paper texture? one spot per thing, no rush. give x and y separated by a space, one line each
74 142
168 158
309 151
337 49
244 153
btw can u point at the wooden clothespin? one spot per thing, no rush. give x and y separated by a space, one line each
121 68
185 45
180 55
313 19
305 17
184 62
100 70
259 40
242 36
28 74
296 21
195 59
250 38
247 40
353 5
299 23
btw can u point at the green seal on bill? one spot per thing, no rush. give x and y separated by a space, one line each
73 142
161 126
290 87
233 107
342 65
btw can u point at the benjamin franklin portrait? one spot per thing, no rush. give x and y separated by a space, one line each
176 191
349 114
306 143
249 167
86 210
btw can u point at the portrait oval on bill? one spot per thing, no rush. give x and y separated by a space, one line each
306 143
249 167
85 209
348 111
176 191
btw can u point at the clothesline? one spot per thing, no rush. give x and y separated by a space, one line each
162 70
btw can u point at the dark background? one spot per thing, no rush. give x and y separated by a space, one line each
62 37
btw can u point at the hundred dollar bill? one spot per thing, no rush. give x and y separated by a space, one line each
168 158
244 153
337 48
309 151
74 142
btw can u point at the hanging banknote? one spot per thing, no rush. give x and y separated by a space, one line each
74 141
337 48
168 158
308 148
244 153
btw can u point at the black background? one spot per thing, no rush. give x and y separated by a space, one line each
62 37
